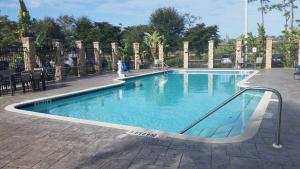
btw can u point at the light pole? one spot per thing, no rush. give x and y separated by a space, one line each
246 31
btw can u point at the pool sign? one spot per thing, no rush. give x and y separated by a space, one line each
254 49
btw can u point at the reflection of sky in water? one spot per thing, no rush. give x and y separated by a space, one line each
167 102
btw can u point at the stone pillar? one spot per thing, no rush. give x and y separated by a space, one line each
238 53
114 56
161 54
211 54
137 59
58 59
186 54
269 53
97 54
80 58
299 52
29 53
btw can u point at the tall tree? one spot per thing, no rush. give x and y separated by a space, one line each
169 23
24 19
68 26
132 34
288 8
264 5
83 28
8 32
152 40
200 35
45 31
105 33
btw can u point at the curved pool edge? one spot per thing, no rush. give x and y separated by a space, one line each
250 131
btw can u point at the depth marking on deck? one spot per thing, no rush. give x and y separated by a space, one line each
143 134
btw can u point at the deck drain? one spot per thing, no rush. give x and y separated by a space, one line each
143 134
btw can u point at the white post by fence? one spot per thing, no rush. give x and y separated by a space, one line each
58 59
238 53
137 60
97 54
269 53
186 54
81 58
29 53
211 54
161 54
114 55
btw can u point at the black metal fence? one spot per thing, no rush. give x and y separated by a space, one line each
224 55
285 53
12 58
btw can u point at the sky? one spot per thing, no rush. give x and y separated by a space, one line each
227 14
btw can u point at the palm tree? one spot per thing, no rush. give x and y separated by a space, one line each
24 19
263 9
152 40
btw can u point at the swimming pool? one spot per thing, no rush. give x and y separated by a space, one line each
166 102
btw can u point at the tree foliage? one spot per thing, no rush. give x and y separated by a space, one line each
105 33
169 23
67 25
264 7
8 32
132 34
46 31
24 19
152 40
199 36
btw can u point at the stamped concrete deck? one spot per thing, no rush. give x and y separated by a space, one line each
32 142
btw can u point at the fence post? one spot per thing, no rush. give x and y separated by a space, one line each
114 55
299 52
161 54
269 53
238 53
29 53
97 54
58 59
136 51
211 54
80 58
186 54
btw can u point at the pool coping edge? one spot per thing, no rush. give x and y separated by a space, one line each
249 132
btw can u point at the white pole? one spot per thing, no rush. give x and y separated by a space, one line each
246 31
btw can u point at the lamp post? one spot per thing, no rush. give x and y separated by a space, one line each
246 32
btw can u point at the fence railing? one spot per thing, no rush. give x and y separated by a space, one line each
12 58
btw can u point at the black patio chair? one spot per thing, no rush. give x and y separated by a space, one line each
36 79
25 80
5 80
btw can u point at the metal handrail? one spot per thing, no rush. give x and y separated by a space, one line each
277 141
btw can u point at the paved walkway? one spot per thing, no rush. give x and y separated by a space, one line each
32 142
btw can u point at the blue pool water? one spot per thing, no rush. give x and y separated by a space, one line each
166 102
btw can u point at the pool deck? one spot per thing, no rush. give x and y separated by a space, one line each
33 142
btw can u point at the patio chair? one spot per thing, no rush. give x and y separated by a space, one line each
36 79
25 80
259 61
5 80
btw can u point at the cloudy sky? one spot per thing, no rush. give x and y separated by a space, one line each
227 14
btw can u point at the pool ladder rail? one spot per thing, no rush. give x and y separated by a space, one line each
277 143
